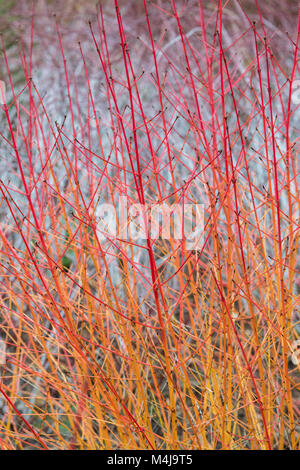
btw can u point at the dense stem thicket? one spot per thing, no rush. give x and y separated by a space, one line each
118 342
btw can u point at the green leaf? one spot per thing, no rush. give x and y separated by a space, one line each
66 262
